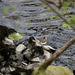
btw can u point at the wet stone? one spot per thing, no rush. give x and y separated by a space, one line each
30 32
73 57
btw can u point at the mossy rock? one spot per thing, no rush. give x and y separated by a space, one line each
52 70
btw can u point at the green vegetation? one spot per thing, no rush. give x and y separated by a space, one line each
57 17
22 34
64 11
66 25
65 4
16 36
51 18
52 70
43 5
70 20
48 10
60 12
5 9
13 8
67 11
29 23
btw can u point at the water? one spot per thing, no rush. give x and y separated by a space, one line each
32 19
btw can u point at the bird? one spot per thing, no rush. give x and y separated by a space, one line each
37 49
39 43
43 40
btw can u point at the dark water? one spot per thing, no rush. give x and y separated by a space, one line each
33 20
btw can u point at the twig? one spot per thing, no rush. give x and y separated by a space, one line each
62 17
59 52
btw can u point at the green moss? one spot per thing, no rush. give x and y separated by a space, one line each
13 8
15 36
39 71
58 70
43 5
52 70
5 9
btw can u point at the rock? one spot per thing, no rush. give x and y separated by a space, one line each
49 48
36 59
20 48
35 52
1 58
5 31
46 55
8 41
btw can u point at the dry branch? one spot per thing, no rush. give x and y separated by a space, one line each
62 17
59 52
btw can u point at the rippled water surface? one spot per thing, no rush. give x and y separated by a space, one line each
31 18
